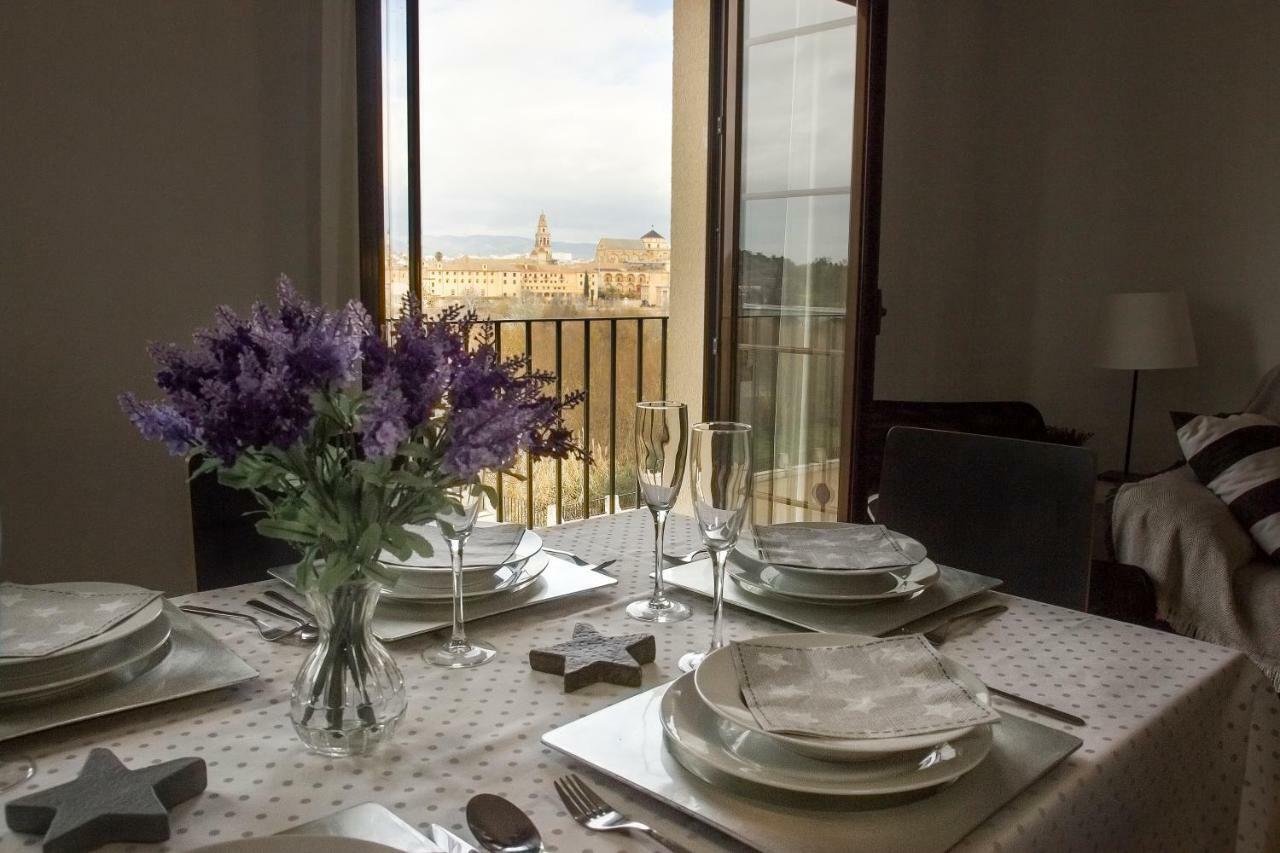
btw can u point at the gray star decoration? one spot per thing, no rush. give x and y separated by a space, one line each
590 657
108 802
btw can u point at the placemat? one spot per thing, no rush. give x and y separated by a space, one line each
872 618
399 620
625 742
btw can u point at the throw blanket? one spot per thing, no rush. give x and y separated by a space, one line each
1211 582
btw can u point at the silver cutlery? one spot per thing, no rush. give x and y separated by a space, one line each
501 826
268 633
595 814
307 632
684 559
292 606
578 561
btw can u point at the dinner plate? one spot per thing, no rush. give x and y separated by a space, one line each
716 681
298 844
509 578
530 543
695 734
132 663
114 645
855 589
914 551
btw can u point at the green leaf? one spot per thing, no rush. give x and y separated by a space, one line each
291 531
369 542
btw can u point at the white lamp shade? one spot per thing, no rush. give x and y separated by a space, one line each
1146 331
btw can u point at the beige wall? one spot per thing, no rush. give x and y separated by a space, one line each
160 158
688 207
1039 155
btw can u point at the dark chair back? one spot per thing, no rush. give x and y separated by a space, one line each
228 548
1021 511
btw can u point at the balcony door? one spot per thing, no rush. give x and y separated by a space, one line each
794 227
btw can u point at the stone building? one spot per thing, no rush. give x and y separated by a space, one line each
634 269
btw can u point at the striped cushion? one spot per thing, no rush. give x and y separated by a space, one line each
1238 458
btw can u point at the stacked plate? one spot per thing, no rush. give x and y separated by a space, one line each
121 652
710 730
420 580
821 580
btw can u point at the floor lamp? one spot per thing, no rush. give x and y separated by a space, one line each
1144 331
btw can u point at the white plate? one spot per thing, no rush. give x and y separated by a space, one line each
530 543
132 662
694 733
914 550
298 844
855 589
93 653
716 681
505 579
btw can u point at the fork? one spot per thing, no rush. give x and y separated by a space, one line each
595 814
268 633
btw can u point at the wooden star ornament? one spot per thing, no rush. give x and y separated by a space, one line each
108 802
591 656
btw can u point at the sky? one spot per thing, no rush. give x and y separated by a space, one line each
562 106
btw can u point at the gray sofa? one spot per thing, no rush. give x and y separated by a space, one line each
1211 580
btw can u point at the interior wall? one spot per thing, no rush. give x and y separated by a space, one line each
690 94
1040 155
159 159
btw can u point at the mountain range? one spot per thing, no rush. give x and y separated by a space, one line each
495 245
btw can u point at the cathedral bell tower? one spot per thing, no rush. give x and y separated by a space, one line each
541 240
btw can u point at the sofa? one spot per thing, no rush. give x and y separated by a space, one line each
1211 580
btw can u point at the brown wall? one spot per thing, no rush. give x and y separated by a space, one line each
1039 155
159 158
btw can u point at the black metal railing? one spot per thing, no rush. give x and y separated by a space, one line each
554 491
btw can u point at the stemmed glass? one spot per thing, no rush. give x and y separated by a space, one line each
661 447
14 770
456 521
720 477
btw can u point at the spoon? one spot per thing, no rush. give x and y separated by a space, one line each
268 633
695 554
500 826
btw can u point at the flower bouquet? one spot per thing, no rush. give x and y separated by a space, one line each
348 441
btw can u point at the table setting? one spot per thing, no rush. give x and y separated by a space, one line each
681 676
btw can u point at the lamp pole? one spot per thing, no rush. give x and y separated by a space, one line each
1133 404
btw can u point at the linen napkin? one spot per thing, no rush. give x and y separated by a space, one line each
878 688
490 545
39 620
844 547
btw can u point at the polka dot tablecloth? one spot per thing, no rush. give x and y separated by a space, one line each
1182 750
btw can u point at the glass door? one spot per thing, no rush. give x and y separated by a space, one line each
793 294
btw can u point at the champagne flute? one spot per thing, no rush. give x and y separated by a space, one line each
661 447
14 770
720 477
456 521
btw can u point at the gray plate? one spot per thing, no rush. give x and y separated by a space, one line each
399 620
625 742
377 823
872 618
195 663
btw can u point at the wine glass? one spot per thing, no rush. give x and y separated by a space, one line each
661 447
456 521
15 769
720 477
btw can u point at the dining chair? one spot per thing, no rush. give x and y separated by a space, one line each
1021 511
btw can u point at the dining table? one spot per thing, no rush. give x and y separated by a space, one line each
1181 751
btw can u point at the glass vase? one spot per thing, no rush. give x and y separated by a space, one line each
349 695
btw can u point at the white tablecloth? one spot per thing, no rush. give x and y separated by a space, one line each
1182 751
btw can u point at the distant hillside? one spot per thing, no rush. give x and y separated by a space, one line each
488 245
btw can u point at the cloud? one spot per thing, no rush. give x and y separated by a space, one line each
555 105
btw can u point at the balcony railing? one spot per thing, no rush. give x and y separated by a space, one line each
619 361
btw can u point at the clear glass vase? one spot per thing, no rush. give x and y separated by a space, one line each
349 695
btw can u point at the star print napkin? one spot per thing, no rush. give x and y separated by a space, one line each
39 620
878 688
488 545
847 546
